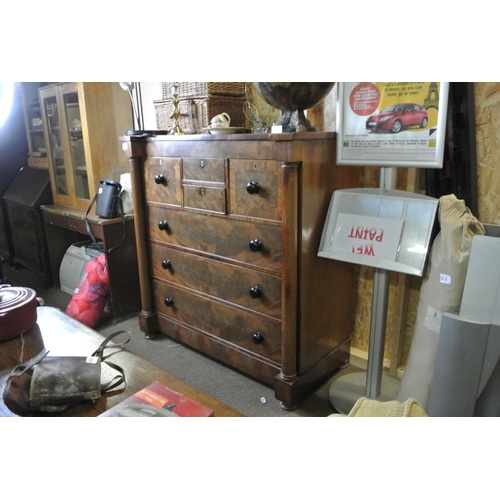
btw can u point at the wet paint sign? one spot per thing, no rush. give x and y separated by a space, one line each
368 236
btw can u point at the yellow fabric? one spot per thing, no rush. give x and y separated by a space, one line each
365 407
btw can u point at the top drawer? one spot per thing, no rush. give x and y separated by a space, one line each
162 180
204 169
255 189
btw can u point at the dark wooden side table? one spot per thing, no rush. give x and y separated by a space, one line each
64 336
65 226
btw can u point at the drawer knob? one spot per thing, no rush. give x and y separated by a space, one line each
255 292
258 338
255 245
163 225
160 179
166 264
169 301
253 187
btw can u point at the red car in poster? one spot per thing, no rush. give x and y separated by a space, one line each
398 116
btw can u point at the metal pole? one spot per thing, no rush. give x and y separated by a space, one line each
380 299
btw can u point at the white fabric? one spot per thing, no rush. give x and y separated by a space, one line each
441 291
126 193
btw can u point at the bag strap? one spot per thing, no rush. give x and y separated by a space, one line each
104 345
116 380
22 368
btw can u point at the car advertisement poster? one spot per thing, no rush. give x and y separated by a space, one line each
391 124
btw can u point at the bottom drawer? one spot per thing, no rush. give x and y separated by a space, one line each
264 370
243 330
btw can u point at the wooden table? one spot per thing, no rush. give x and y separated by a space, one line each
63 335
65 226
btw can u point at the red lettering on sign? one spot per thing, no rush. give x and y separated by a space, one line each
365 233
364 250
369 250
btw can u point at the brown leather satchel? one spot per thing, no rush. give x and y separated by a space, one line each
52 384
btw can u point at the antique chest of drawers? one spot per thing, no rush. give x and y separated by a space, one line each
24 199
228 229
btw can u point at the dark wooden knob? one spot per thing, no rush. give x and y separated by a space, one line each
255 292
160 179
253 187
163 225
166 264
258 338
169 301
255 245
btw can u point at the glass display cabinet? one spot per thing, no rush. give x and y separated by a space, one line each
37 153
83 123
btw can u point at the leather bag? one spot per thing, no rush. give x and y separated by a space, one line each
54 383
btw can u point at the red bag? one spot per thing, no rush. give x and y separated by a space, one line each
91 296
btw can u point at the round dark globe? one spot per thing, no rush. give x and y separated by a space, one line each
292 98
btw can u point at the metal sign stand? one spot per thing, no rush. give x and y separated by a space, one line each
346 390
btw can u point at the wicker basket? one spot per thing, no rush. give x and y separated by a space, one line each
195 114
203 89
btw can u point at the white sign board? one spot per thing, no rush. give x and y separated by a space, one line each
364 235
382 229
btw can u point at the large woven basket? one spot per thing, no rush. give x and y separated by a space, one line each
195 114
203 89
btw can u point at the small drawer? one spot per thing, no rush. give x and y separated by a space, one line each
21 222
253 290
204 169
22 211
207 199
162 180
244 330
255 189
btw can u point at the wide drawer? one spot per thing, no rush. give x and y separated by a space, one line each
255 188
247 242
245 330
247 288
162 180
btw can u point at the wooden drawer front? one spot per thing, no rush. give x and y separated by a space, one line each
162 180
218 236
204 169
16 210
207 199
231 325
253 290
19 221
255 188
25 247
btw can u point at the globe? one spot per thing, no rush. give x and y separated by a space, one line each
292 98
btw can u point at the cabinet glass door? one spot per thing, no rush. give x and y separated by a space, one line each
55 145
74 133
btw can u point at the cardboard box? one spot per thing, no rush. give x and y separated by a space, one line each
157 400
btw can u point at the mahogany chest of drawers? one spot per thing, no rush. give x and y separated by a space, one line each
228 230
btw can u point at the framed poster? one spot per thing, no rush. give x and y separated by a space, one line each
391 124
